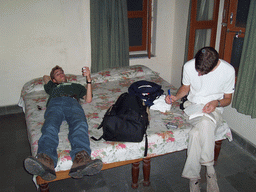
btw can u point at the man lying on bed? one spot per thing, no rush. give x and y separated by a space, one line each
63 105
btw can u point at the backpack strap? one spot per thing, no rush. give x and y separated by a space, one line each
93 138
146 142
101 125
146 145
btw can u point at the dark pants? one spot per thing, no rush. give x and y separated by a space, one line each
58 110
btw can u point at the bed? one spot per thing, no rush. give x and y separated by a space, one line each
107 86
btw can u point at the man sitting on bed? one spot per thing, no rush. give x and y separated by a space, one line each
209 81
63 104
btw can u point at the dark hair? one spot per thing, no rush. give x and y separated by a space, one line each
53 70
206 59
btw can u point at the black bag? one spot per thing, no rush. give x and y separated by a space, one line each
125 121
146 90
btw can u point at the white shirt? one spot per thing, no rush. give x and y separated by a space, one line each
211 86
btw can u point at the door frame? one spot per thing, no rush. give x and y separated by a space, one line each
229 31
194 25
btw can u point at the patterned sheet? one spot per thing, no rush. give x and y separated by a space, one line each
107 86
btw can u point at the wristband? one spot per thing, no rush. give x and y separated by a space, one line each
218 103
88 82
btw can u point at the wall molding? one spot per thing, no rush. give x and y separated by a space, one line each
244 143
10 109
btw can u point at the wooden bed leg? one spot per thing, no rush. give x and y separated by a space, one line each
135 174
146 171
44 187
217 151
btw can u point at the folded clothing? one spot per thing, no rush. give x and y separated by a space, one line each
161 105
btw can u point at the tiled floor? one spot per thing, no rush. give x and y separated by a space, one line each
236 169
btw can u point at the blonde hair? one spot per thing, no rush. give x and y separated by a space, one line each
53 70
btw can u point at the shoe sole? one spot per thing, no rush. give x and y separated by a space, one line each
91 168
34 167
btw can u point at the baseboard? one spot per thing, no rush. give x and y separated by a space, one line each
10 109
244 143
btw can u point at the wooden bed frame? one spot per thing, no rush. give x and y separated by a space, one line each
44 185
127 75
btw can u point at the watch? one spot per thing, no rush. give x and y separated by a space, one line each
88 82
218 103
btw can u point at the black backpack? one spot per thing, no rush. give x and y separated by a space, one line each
125 121
146 90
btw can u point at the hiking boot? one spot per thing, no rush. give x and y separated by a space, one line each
84 165
41 165
212 185
194 186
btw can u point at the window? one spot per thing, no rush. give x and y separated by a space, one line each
139 24
203 25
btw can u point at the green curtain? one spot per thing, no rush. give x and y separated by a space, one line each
245 93
109 34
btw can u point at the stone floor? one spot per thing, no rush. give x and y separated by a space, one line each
236 169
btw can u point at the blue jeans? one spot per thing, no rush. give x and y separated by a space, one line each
58 110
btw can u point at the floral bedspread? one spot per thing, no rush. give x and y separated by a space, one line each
107 86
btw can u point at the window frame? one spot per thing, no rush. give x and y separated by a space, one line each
197 25
146 15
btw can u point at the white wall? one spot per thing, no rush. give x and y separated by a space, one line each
37 35
243 125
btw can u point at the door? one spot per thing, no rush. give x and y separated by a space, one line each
203 25
234 20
